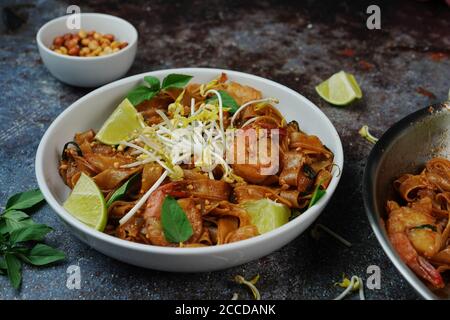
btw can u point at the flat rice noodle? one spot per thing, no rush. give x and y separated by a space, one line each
205 238
244 193
110 179
225 226
103 149
241 93
151 172
87 136
131 230
74 168
443 268
242 233
226 208
194 216
438 203
85 166
320 164
409 187
442 256
192 174
212 231
103 162
443 199
292 165
294 198
85 147
120 208
292 173
308 144
440 166
439 181
252 172
324 178
207 189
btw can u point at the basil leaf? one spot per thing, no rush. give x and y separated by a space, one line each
175 81
42 254
227 101
3 227
15 215
35 232
12 225
24 200
175 223
140 94
153 82
426 226
13 220
14 269
317 194
119 193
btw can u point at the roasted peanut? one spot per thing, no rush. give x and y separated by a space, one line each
58 41
82 34
109 36
63 50
74 51
87 44
93 45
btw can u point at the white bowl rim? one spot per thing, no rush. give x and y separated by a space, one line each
72 221
75 58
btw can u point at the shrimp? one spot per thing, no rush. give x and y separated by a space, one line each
415 234
152 215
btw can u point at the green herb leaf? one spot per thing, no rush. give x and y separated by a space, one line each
317 194
35 232
153 82
3 267
15 215
119 193
175 81
425 226
140 94
24 200
14 267
13 220
175 223
12 225
42 254
227 101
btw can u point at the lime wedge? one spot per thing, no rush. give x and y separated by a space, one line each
87 204
266 214
121 125
340 89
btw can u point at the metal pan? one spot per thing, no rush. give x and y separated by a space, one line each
404 148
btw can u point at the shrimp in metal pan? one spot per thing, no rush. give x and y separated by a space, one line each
415 235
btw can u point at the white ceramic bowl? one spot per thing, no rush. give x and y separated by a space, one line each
92 110
88 71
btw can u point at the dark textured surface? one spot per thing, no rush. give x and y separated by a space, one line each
297 45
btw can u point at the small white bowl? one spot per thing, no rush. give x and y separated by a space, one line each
88 71
93 109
